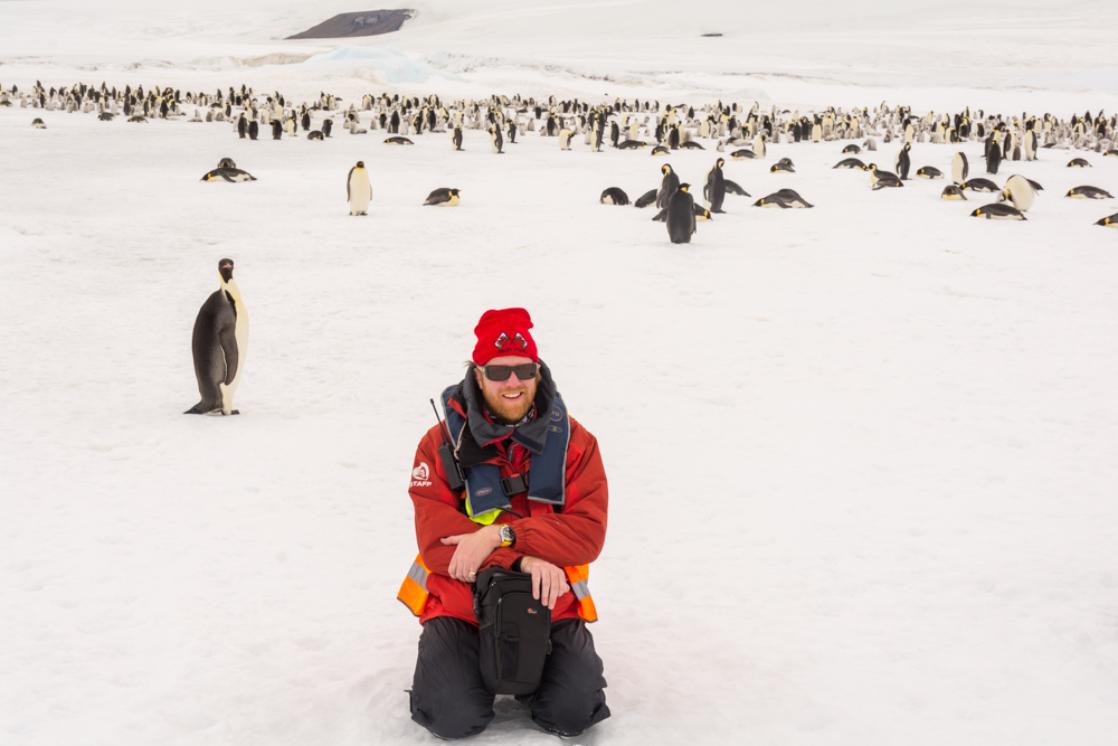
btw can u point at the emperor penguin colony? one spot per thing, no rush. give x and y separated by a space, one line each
744 136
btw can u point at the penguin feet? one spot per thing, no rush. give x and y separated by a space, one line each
206 412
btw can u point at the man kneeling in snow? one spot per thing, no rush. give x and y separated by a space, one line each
528 493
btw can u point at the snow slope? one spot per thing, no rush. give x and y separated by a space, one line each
861 456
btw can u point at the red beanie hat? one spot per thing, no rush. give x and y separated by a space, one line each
504 332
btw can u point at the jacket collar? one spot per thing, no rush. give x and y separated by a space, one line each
483 435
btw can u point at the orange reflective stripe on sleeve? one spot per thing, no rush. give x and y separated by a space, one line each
413 591
579 576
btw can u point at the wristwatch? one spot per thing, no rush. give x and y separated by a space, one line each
508 536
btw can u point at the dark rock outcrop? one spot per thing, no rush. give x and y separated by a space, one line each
365 23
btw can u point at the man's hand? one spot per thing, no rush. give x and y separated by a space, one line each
473 549
548 581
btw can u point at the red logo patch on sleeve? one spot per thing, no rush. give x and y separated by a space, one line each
421 475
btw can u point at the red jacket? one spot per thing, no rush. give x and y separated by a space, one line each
573 536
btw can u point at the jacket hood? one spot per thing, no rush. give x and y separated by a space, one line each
484 434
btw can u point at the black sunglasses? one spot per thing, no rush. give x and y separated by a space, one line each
524 371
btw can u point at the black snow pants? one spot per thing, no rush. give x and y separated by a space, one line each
450 700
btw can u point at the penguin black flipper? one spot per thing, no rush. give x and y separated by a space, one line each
229 348
348 176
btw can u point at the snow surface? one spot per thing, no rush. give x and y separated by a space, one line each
861 457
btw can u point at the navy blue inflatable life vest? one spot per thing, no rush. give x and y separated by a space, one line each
486 494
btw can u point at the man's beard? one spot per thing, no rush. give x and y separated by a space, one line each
510 413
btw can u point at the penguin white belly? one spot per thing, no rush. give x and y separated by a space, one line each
240 333
360 193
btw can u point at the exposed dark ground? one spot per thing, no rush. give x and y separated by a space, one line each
362 23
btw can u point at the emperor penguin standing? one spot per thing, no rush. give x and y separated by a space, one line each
219 345
993 153
358 190
668 186
759 146
715 190
680 216
959 168
1030 144
904 163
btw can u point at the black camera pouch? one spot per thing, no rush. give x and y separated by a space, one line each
514 629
